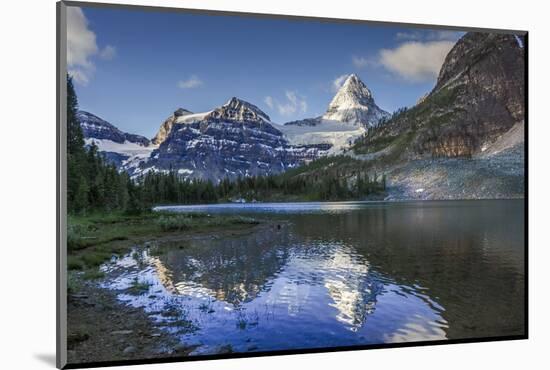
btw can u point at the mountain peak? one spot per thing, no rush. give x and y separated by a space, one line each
238 110
356 88
354 103
181 112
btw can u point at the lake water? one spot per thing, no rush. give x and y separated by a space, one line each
337 274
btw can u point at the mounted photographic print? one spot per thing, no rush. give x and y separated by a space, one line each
234 185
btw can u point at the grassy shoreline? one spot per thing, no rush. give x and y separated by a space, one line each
93 239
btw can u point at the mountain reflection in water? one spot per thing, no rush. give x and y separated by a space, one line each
339 275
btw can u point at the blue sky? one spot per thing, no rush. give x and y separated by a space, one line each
134 67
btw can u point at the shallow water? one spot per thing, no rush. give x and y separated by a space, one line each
337 274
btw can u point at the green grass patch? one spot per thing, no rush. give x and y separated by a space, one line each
73 283
175 223
95 238
184 222
93 274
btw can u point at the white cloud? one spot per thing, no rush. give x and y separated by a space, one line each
82 46
429 35
108 52
292 104
408 36
362 62
192 82
337 83
416 61
80 75
268 100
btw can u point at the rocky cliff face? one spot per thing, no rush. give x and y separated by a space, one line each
236 139
167 125
479 95
354 103
465 139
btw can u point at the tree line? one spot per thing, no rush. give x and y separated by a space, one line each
95 185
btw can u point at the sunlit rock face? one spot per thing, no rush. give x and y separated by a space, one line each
166 126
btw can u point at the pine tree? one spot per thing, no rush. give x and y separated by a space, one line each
75 155
75 138
81 198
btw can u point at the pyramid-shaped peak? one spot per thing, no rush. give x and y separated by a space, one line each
353 78
354 103
239 110
234 101
354 86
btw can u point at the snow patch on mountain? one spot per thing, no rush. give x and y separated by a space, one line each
340 135
190 118
128 148
126 155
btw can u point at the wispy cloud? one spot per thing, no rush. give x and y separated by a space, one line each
191 83
82 47
292 103
439 35
108 52
416 61
268 100
362 62
337 83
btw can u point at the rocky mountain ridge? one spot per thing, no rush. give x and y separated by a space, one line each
94 127
465 139
478 97
235 139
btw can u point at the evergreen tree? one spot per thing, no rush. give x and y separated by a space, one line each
75 138
76 179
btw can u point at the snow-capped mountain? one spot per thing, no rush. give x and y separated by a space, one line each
350 113
235 139
354 103
118 147
97 128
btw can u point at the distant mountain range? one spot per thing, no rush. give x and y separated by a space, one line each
237 138
463 139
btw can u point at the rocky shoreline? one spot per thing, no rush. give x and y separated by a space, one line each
100 328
